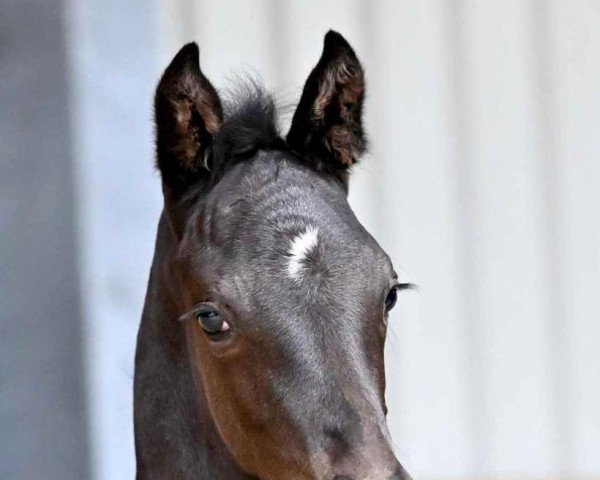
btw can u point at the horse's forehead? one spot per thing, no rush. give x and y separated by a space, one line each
300 236
307 265
272 221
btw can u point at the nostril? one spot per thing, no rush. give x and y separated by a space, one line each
333 433
337 446
341 477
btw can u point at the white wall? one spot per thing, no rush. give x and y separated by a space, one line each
114 68
483 183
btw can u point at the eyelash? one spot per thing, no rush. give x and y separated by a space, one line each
392 295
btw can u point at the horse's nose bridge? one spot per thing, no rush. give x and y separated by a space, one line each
351 374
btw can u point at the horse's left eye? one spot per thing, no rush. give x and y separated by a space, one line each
390 299
211 322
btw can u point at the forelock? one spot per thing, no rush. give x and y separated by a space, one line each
249 125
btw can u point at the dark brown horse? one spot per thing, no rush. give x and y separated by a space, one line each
260 351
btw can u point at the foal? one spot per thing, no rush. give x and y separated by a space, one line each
260 351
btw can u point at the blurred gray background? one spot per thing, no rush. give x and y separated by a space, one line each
483 182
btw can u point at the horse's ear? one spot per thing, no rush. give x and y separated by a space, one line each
188 114
327 125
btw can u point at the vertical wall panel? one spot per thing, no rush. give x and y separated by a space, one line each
501 151
552 223
576 46
113 65
415 220
43 414
234 40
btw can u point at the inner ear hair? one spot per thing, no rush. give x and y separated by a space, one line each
340 97
188 115
341 81
327 125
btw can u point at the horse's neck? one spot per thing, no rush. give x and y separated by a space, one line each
175 436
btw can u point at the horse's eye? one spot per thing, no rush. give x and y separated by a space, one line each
391 298
211 322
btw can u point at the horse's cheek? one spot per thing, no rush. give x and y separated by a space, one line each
225 396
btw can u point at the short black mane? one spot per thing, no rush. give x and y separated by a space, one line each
250 124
